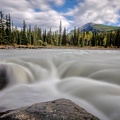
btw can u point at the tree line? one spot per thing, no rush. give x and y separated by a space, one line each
11 35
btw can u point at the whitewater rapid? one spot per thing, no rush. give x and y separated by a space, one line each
90 78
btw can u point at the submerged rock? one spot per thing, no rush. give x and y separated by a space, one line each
61 109
3 78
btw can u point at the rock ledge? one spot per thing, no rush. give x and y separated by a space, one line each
61 109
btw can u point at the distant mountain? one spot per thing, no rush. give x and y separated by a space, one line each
96 27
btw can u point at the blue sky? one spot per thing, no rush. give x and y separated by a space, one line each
68 4
48 13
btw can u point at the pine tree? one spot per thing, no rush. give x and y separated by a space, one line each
39 33
93 39
24 40
60 34
44 36
78 37
49 36
117 39
17 36
2 29
1 25
64 37
75 37
29 32
110 39
7 39
55 38
35 35
13 34
108 36
9 29
90 37
82 39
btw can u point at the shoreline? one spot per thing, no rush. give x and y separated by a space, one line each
57 47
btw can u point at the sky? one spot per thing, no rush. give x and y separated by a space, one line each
48 13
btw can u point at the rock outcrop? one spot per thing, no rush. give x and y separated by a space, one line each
3 77
61 109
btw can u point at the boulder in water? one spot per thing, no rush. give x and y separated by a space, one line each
3 77
61 109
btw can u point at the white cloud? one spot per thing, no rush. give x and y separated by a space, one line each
98 11
58 2
45 17
41 12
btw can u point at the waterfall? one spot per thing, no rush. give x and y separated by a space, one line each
90 78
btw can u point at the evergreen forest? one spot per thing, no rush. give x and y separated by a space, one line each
29 35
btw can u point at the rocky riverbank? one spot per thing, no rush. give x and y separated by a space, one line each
20 47
61 109
56 47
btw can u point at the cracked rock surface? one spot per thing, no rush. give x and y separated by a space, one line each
61 109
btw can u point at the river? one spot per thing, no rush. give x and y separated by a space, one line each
90 78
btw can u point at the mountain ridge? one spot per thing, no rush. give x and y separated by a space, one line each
94 27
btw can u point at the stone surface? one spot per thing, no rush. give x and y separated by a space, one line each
61 109
3 78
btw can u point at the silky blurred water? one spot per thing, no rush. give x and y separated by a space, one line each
90 78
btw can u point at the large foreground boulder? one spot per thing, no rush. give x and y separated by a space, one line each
61 109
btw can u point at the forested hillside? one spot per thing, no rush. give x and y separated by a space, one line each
97 27
29 35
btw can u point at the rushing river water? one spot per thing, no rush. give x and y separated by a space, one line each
90 78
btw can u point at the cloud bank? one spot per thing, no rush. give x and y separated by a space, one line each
35 12
43 14
98 11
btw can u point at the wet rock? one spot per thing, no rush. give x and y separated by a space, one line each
3 78
61 109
